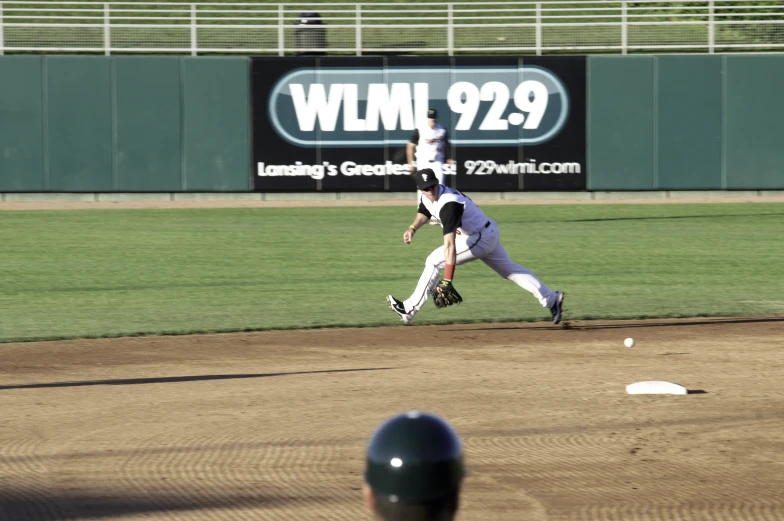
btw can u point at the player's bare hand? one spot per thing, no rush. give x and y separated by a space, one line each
408 235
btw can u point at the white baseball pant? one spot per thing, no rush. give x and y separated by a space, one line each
487 247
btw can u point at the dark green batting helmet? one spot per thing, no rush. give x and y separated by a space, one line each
416 457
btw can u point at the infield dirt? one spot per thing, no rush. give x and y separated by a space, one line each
273 425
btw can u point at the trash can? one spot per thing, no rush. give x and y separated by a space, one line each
310 34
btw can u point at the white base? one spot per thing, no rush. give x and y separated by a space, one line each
656 387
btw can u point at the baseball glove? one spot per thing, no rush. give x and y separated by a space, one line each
445 294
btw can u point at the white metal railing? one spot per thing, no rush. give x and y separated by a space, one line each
371 28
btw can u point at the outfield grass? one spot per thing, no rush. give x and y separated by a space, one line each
92 273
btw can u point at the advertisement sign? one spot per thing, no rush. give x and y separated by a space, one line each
343 124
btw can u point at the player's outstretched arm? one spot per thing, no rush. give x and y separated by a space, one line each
419 221
450 251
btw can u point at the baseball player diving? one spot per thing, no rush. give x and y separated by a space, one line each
468 235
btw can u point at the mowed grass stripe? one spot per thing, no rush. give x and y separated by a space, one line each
94 273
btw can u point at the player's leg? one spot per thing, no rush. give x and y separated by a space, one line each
466 251
499 261
427 281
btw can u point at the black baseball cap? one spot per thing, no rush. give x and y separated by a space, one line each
425 178
432 114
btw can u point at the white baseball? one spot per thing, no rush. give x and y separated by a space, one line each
629 342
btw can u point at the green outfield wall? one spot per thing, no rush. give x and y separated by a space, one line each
685 122
182 124
123 124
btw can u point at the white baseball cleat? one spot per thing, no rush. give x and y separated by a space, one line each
398 307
